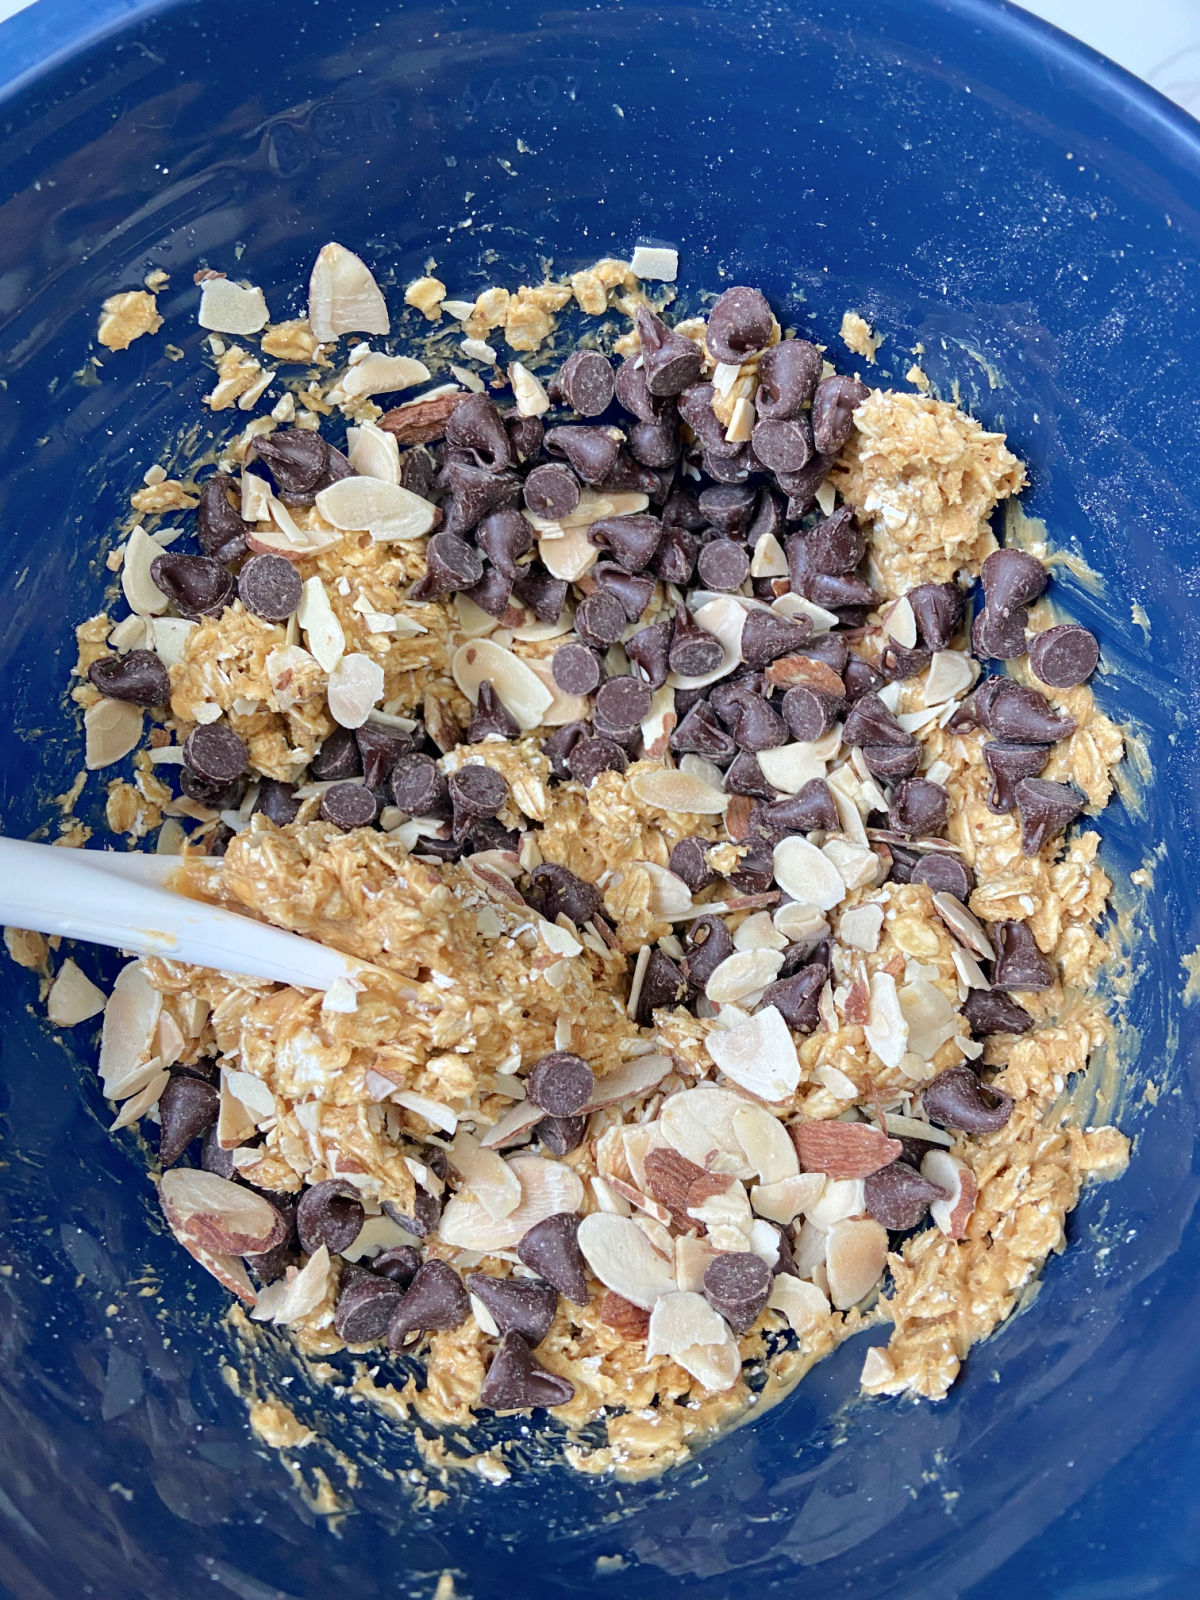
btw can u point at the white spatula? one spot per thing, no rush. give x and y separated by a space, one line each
121 898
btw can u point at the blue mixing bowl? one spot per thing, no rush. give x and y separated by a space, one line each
969 180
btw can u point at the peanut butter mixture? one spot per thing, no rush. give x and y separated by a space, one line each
727 939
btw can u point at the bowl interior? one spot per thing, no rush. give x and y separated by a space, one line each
974 185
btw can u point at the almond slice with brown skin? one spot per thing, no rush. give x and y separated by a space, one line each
843 1149
422 420
963 925
855 1256
636 1077
633 1322
516 686
218 1216
297 1294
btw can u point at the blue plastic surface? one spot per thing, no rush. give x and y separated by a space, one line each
971 181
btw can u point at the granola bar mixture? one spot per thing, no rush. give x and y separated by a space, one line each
729 939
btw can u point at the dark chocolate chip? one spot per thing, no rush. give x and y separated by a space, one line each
219 527
759 726
1064 657
998 637
869 722
556 891
364 1309
139 677
812 808
632 393
699 733
516 1382
797 999
591 451
1046 810
551 490
992 1011
728 507
899 1197
417 471
518 1305
400 1264
737 1283
860 678
670 362
474 492
835 545
338 757
600 619
544 595
199 586
476 791
655 444
766 636
696 409
330 1214
551 1248
450 564
634 590
957 1099
739 324
801 487
897 662
682 510
505 536
585 382
491 716
349 805
297 458
421 1218
215 753
525 435
833 407
621 704
687 861
590 757
890 761
434 1301
632 540
476 425
576 669
662 985
561 1083
737 467
1020 964
270 587
1012 712
187 1108
919 808
277 801
745 776
938 609
783 446
1008 763
808 712
214 1159
649 650
943 873
1012 579
723 565
561 1135
709 943
693 650
675 559
493 592
557 746
788 374
417 787
755 872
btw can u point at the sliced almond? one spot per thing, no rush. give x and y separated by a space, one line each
139 588
900 623
795 605
839 1199
652 261
759 1055
970 973
571 555
951 673
229 1271
217 1215
373 453
298 1293
384 510
487 1323
855 1256
699 1124
758 932
635 1078
784 1199
963 925
227 307
519 689
376 373
857 866
744 973
681 1319
112 729
901 1127
137 1105
803 1304
170 635
705 771
127 1040
800 924
930 1017
716 1367
512 1126
878 1375
422 1105
719 1201
322 630
354 690
692 1256
546 1187
961 1189
802 871
860 926
131 633
531 397
886 1028
343 297
73 997
767 1146
659 723
670 897
488 1176
376 1234
632 1322
674 791
843 1149
608 1200
620 1255
252 1092
768 560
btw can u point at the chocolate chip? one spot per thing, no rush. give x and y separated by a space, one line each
219 526
1046 810
788 374
434 1301
418 471
187 1108
476 425
421 1218
736 467
475 792
493 593
897 662
575 669
585 382
693 650
957 1099
215 753
561 1083
801 487
919 808
557 746
277 801
632 393
797 999
1008 764
869 722
709 943
450 564
998 637
474 492
783 446
723 565
1020 964
1012 579
544 595
139 677
943 873
298 458
621 704
812 808
525 435
1064 657
590 757
338 757
992 1011
745 776
379 749
349 805
505 536
214 1159
833 407
518 1305
739 324
737 1283
516 1382
556 891
561 1135
400 1264
551 1248
1013 712
592 452
899 1197
687 861
199 586
649 650
938 609
699 733
634 590
860 678
662 985
759 726
491 717
728 507
841 594
418 788
755 872
766 636
696 409
364 1309
835 545
330 1214
599 620
551 491
632 540
807 712
670 362
890 762
675 559
270 587
655 444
